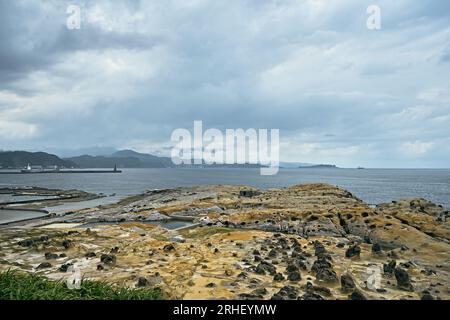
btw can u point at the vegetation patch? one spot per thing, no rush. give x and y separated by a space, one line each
26 286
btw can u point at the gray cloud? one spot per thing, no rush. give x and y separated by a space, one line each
137 70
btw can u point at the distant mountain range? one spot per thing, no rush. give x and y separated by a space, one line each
121 159
20 159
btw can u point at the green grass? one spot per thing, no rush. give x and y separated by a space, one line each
27 286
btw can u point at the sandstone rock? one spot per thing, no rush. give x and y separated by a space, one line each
286 293
294 276
169 247
142 282
376 248
426 296
44 265
347 282
403 280
264 267
326 275
64 267
67 243
90 254
389 267
357 295
51 256
353 251
108 258
278 277
311 296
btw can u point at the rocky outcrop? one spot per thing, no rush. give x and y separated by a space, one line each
308 242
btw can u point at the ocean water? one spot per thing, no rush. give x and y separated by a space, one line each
371 185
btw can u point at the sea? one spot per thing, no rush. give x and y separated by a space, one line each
374 186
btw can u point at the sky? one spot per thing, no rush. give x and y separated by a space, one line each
137 70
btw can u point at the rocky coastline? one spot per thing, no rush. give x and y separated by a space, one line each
305 242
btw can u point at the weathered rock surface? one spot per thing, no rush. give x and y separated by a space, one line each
305 242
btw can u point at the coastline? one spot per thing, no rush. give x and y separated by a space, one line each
243 239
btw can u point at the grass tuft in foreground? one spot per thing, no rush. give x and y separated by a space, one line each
27 286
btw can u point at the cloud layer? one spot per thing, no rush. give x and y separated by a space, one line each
136 70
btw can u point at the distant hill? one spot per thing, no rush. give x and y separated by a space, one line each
133 159
147 160
20 159
320 166
294 165
123 159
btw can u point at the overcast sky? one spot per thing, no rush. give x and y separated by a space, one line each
136 70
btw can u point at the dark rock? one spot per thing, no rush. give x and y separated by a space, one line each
108 258
65 267
90 255
347 282
26 243
357 295
63 255
291 268
50 256
67 243
255 294
272 253
278 277
376 248
311 296
248 193
44 265
211 285
294 276
100 267
114 250
142 282
426 296
286 293
403 280
301 264
264 267
327 275
242 275
168 247
389 267
319 249
322 290
353 251
319 264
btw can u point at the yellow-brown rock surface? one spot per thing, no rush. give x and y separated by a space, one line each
247 245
